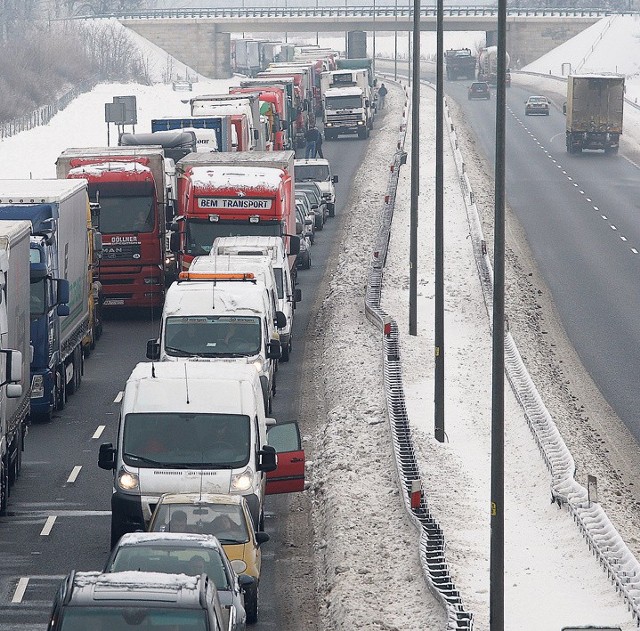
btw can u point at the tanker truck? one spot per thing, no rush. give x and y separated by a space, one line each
488 66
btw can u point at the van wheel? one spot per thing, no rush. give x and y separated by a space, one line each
286 350
251 603
117 530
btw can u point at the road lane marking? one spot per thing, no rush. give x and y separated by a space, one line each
98 431
119 397
74 474
48 526
21 588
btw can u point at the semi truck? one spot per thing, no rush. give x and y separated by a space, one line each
59 283
459 62
594 112
213 133
128 185
14 350
347 103
488 66
232 194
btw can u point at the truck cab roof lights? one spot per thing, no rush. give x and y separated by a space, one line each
250 276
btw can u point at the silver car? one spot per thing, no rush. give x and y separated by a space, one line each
184 553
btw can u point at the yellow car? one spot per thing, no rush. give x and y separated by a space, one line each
229 519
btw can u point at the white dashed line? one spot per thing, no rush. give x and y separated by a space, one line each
604 217
74 474
613 227
21 588
119 397
623 238
634 250
48 526
98 431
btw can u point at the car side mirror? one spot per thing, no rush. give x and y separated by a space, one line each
281 320
274 349
262 537
334 179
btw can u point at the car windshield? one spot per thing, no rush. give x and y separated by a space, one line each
537 99
312 194
173 558
186 440
201 234
139 617
311 172
227 522
212 336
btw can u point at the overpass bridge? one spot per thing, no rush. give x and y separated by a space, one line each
201 38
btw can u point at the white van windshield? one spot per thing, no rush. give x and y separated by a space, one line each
212 336
186 440
311 172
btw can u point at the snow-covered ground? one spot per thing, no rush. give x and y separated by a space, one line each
370 576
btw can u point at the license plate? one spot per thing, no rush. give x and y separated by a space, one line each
112 302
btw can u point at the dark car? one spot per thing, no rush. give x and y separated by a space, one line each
536 105
479 90
317 202
122 601
184 553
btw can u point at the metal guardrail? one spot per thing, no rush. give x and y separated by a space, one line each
432 542
380 10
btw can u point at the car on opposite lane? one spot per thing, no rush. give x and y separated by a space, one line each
479 90
536 105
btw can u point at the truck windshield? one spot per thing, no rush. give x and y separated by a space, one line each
186 440
125 209
212 336
342 103
311 172
138 616
38 298
200 234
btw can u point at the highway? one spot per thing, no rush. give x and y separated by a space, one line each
579 213
59 510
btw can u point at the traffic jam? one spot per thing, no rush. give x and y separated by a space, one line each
206 221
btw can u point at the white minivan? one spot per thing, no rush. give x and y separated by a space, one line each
318 170
274 248
223 317
196 426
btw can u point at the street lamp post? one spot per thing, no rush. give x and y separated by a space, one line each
395 44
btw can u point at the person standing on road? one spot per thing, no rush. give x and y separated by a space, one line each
319 145
382 93
311 136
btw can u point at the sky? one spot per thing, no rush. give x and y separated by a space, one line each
369 570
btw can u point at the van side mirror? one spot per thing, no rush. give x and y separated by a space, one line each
281 320
294 245
153 349
268 459
107 457
262 537
174 242
274 349
334 179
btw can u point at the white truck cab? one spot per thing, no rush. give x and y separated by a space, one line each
318 170
223 317
196 427
274 248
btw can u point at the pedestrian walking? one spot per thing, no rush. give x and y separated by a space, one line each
382 93
311 136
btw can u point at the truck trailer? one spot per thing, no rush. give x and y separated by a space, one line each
14 350
594 112
460 63
59 280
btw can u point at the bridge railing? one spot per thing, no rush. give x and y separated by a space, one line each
379 10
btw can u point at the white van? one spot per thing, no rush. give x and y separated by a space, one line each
273 247
318 170
223 317
195 426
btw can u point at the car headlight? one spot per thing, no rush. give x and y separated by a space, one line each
242 482
127 481
239 566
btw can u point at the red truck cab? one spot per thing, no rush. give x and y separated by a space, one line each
131 203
